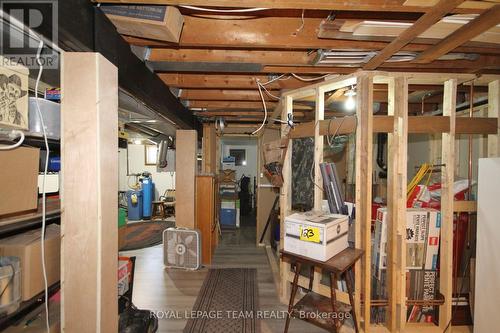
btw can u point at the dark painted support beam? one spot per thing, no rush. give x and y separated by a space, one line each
83 27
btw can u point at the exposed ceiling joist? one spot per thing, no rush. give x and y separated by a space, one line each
224 95
236 81
431 17
482 23
261 32
160 57
242 105
352 5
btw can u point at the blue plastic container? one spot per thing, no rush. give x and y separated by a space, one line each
228 218
134 209
148 195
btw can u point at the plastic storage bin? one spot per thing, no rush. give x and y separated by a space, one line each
228 218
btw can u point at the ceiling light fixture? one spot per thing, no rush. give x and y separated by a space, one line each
350 102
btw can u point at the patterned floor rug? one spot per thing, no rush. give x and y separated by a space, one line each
144 234
227 302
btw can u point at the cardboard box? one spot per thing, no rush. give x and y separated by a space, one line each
316 235
423 228
19 179
27 247
152 22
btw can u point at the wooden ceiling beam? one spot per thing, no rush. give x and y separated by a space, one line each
302 58
262 32
225 95
431 17
241 105
232 56
482 23
239 81
236 81
352 5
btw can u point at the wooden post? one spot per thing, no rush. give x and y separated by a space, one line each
447 196
364 160
186 143
89 218
396 203
285 200
494 112
318 158
209 149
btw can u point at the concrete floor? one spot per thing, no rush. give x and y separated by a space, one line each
170 292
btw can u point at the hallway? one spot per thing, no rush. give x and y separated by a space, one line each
171 292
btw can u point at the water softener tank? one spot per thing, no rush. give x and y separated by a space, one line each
134 204
148 194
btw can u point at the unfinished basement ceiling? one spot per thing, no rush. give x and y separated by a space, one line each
222 53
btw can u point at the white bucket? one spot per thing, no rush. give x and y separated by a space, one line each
10 284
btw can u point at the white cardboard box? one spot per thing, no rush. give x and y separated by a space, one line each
423 228
330 234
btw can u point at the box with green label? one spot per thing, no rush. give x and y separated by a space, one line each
316 235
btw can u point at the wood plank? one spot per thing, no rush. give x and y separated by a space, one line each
209 31
364 159
89 203
226 95
353 5
319 115
245 105
465 206
494 112
285 200
423 23
209 149
482 23
396 203
237 81
274 58
447 197
185 182
416 125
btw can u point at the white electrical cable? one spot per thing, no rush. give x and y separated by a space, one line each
269 93
210 10
13 135
42 241
307 79
265 108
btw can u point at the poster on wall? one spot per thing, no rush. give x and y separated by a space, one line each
13 96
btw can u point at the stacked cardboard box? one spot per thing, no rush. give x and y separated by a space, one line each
422 248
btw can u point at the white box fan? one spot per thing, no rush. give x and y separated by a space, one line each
182 248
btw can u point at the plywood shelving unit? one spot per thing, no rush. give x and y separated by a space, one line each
398 124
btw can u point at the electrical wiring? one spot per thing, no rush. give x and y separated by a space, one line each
269 93
309 79
299 29
44 195
13 135
265 109
210 10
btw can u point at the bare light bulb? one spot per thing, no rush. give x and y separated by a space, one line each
350 103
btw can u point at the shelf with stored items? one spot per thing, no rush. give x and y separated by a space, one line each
397 124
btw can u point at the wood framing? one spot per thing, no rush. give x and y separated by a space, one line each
89 240
494 112
396 203
447 197
186 142
363 193
209 149
483 22
432 16
397 124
